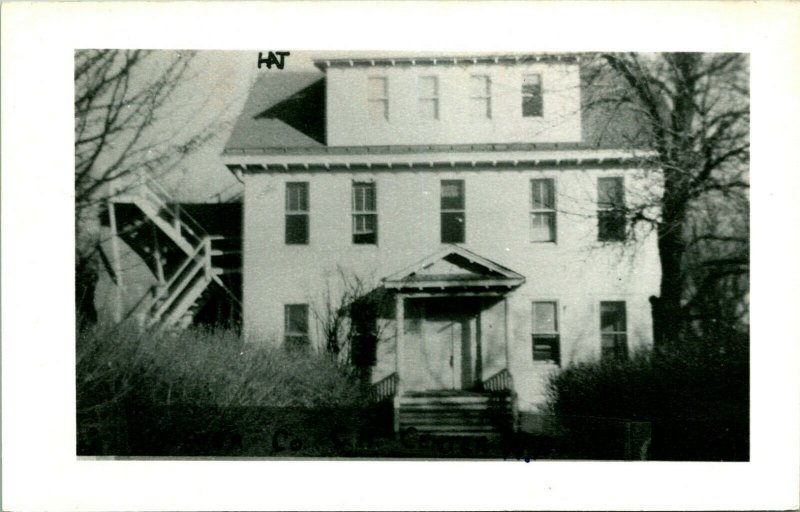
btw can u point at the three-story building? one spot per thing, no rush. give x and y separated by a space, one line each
471 191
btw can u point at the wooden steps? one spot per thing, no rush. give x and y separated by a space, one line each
455 413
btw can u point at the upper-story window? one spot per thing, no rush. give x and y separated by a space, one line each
480 96
428 94
543 210
297 212
378 98
532 95
613 330
610 209
365 213
453 211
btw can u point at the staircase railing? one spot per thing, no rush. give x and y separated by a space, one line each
503 382
384 389
190 230
500 381
213 252
182 278
153 191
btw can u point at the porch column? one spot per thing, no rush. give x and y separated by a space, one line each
399 343
506 322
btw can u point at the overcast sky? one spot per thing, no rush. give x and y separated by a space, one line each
216 89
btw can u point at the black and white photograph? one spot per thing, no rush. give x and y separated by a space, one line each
505 256
435 255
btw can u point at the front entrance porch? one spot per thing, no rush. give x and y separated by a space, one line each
451 320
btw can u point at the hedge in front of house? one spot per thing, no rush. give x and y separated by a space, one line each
696 398
198 392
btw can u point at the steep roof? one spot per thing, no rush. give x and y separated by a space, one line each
285 113
284 110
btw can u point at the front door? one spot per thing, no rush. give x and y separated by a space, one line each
447 342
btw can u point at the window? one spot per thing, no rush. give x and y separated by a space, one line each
365 213
453 216
613 331
480 97
428 91
378 98
532 95
545 339
297 213
296 326
610 210
543 210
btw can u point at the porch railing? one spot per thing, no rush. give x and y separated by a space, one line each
500 381
384 389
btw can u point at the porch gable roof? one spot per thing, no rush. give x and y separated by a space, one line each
454 267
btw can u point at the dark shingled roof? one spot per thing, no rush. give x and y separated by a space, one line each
285 113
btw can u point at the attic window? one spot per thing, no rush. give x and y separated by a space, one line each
532 96
428 91
378 98
480 97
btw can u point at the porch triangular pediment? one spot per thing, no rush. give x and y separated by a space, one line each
454 267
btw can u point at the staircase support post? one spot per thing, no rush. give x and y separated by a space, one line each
112 222
157 256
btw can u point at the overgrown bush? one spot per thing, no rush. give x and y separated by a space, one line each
131 382
696 399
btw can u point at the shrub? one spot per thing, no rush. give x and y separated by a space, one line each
697 400
131 380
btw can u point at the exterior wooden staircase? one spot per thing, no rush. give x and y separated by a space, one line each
187 261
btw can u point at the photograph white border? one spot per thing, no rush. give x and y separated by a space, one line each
39 468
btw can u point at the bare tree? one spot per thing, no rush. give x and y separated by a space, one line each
349 315
692 110
122 129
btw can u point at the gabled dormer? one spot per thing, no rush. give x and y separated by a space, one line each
452 100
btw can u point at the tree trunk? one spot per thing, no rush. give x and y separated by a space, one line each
85 285
667 312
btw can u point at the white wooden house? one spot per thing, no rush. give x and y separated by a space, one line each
473 192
